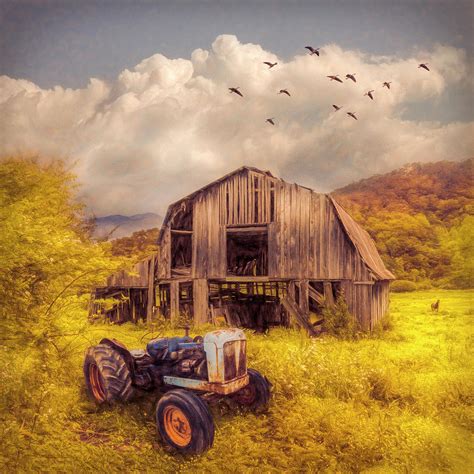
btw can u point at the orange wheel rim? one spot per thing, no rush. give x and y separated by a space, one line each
97 383
177 425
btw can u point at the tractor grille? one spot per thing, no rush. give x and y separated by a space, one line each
235 359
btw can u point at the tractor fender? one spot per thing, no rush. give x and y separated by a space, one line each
124 352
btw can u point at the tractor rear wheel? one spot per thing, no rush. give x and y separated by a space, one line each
107 376
184 422
255 395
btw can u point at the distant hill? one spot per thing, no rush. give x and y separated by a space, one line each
117 226
443 191
421 217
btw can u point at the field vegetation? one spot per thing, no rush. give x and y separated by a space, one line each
398 400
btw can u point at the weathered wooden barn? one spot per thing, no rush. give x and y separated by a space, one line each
259 251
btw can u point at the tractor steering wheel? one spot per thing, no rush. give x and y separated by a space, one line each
198 340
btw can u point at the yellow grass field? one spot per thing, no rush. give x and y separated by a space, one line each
400 401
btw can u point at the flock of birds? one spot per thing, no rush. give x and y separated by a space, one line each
315 51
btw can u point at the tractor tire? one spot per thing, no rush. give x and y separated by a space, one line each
108 379
184 422
256 395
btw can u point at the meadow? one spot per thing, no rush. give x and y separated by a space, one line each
397 401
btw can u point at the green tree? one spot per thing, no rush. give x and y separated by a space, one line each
48 266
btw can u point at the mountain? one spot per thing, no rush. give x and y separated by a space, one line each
117 226
442 191
421 217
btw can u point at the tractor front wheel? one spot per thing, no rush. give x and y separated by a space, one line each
107 376
255 395
184 422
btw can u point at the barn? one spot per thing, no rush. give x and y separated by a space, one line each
257 251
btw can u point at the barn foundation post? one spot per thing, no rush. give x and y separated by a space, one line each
304 296
328 295
174 302
201 301
151 291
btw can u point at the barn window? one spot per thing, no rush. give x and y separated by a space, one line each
247 251
181 252
256 198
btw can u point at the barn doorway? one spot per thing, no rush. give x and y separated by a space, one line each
247 251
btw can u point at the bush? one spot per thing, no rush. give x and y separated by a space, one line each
400 286
338 321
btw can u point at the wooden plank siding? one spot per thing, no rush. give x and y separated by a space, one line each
310 237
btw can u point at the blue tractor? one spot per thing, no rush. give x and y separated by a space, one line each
192 373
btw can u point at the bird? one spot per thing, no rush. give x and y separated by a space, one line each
335 78
351 77
269 64
235 90
352 114
312 50
435 306
336 107
270 120
424 66
284 91
386 84
370 94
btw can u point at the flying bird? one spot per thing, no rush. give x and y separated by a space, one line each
370 94
424 66
269 64
386 84
284 91
336 107
352 114
335 78
312 50
270 120
351 77
235 90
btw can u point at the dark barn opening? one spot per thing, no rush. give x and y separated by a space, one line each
186 300
247 251
253 305
181 252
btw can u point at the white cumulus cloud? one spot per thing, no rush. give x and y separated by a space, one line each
168 126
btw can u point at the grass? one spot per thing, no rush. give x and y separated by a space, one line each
400 401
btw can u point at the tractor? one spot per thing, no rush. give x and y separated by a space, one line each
191 372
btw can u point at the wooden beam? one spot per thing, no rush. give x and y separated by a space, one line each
201 301
247 229
328 295
304 296
174 301
181 232
290 305
238 226
151 290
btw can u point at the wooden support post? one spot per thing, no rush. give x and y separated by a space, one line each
174 301
151 290
291 289
328 295
201 301
304 296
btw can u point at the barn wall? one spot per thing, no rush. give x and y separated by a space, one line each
306 239
380 301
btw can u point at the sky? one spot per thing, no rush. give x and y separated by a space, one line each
133 96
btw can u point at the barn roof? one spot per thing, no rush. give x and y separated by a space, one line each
360 238
363 242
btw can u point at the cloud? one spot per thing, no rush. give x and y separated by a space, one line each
168 126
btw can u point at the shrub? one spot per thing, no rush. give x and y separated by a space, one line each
338 321
401 286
